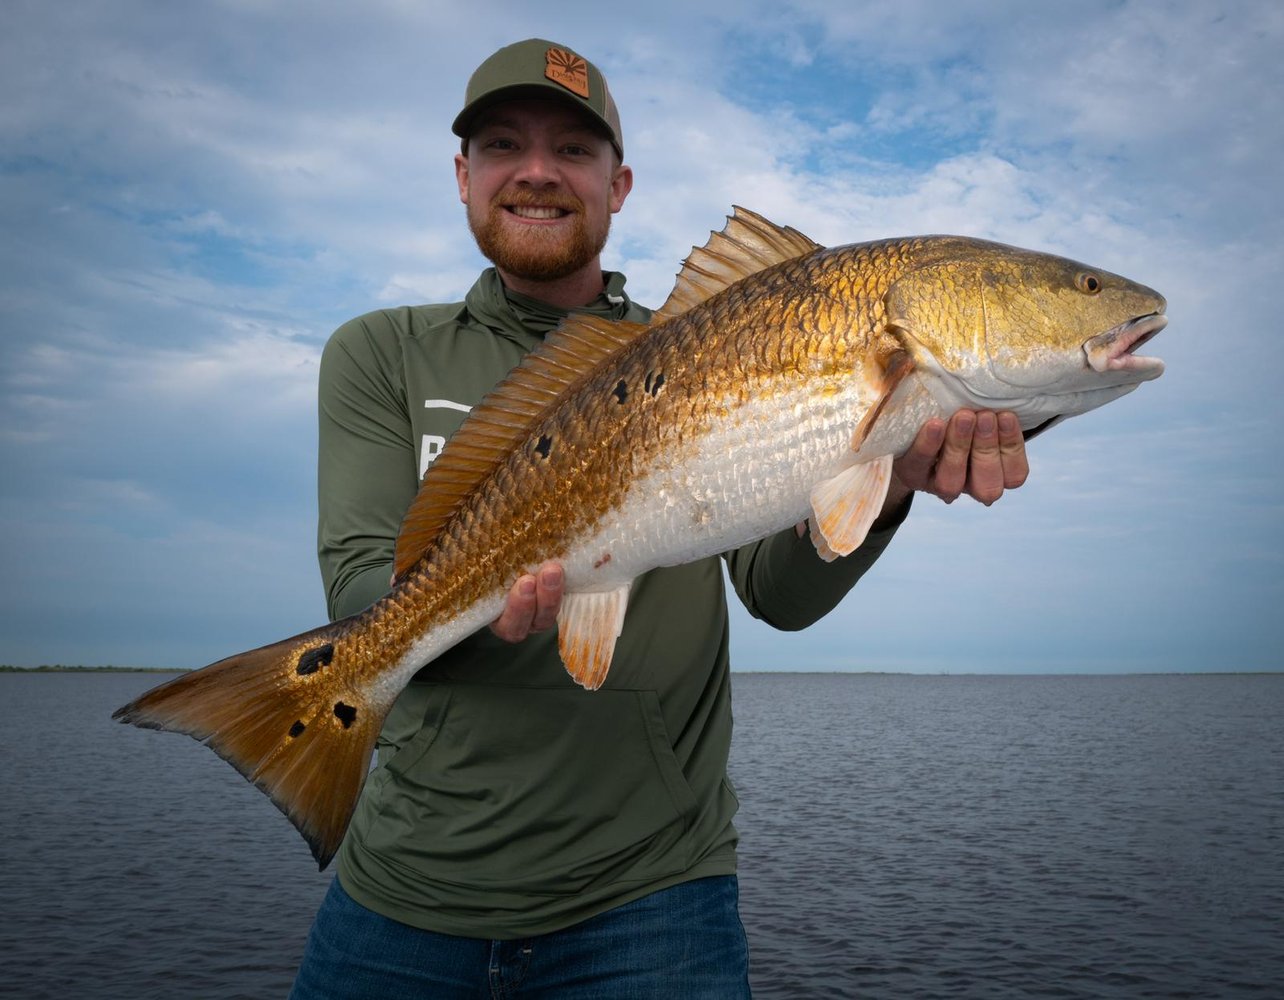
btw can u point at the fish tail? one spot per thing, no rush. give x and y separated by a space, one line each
284 717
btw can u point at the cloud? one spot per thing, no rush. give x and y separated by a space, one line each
193 197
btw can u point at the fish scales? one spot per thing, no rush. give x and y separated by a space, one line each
779 390
766 371
664 430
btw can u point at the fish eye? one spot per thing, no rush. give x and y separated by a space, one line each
1087 282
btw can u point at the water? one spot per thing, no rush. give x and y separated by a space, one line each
1013 836
901 836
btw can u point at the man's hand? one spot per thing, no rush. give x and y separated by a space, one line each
532 604
979 453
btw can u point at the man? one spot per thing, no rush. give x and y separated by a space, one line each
522 837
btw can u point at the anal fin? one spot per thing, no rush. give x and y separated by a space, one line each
844 506
587 626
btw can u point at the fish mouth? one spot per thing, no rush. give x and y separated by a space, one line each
1113 351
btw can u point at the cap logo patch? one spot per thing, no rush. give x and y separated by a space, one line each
568 69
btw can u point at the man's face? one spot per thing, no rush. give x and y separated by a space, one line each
541 185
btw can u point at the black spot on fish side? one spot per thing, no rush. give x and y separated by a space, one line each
345 714
296 730
621 391
314 659
544 445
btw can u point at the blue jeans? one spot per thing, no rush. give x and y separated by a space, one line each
682 943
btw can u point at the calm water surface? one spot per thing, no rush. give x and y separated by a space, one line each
901 837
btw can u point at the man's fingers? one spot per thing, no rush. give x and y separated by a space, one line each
985 468
532 604
978 452
514 623
548 596
914 468
1016 467
952 467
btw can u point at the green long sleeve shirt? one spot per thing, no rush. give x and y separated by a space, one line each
507 801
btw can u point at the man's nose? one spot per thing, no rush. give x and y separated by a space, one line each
538 168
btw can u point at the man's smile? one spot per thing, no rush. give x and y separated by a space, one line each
537 212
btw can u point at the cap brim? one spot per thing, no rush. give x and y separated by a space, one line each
463 123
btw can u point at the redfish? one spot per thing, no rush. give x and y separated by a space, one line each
775 385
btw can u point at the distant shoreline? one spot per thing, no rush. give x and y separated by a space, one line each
59 668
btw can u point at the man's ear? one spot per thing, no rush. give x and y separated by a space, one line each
621 185
461 176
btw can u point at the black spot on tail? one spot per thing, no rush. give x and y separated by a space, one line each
653 383
621 391
314 659
544 445
345 714
296 730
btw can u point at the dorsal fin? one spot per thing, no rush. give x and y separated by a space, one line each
746 245
503 419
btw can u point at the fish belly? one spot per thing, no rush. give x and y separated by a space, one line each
745 477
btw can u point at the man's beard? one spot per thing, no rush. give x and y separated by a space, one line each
536 253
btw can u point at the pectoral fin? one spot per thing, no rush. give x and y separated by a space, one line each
587 626
845 506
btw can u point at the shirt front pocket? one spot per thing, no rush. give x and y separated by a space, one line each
543 791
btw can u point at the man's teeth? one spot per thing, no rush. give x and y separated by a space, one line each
536 212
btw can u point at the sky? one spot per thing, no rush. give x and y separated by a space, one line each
194 195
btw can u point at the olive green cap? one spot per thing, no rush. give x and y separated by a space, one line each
539 69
